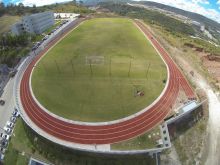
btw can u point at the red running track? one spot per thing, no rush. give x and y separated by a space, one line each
111 133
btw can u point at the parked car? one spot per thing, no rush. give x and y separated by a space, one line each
15 113
46 37
12 119
2 157
4 136
13 73
4 143
7 130
9 124
34 48
2 150
2 102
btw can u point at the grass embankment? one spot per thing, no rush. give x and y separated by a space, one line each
6 22
20 148
26 144
142 142
185 143
94 73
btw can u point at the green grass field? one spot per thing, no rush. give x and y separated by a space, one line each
93 74
6 22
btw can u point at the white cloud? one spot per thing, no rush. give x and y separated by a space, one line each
218 3
201 1
41 2
193 6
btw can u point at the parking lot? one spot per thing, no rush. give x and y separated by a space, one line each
6 111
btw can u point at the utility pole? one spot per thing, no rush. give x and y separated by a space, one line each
44 66
129 69
90 63
110 68
57 66
72 66
147 70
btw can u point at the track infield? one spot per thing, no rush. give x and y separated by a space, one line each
95 73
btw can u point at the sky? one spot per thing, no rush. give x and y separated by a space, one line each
208 8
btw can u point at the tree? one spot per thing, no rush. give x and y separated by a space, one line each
34 9
74 2
2 8
20 9
21 5
81 2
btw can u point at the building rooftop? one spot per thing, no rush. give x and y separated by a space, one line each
189 107
39 13
36 162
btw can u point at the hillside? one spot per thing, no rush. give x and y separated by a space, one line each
68 7
154 17
212 26
20 9
95 2
194 16
6 22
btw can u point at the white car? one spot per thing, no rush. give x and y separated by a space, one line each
13 119
15 113
7 130
9 124
2 157
4 136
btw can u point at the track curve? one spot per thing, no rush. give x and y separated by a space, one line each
111 133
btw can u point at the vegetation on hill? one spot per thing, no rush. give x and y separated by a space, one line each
212 26
204 45
12 48
20 9
197 17
95 2
153 17
68 8
6 22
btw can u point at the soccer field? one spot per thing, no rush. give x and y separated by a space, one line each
103 70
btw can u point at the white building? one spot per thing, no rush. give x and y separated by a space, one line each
35 23
66 15
196 23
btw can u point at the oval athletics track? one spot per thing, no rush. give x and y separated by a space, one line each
112 133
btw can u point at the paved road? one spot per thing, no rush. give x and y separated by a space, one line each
213 141
7 109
